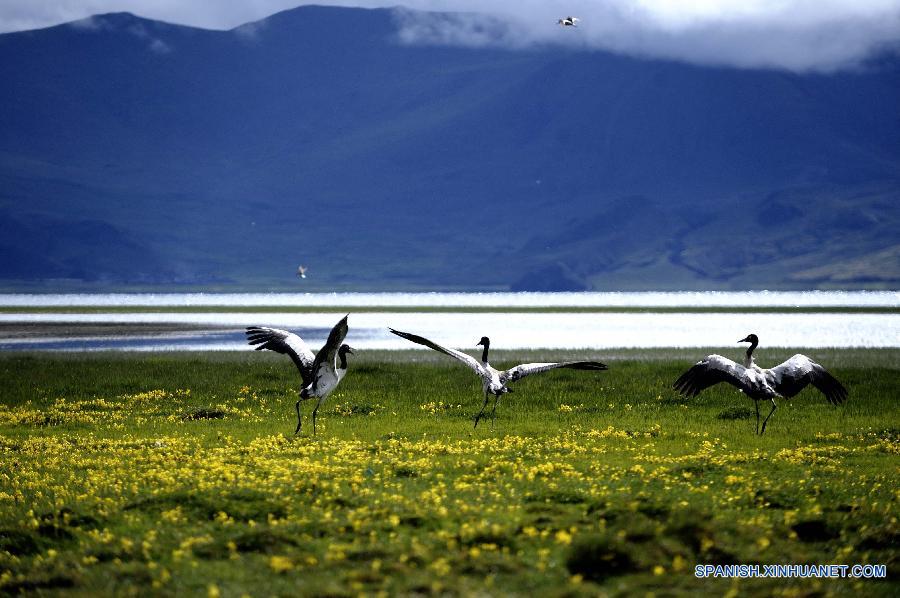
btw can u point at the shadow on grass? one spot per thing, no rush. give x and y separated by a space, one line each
241 505
642 539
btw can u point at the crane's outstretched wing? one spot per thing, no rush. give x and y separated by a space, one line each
466 359
287 343
527 369
710 371
327 354
793 375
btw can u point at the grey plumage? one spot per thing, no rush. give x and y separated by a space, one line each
286 343
782 381
320 373
494 382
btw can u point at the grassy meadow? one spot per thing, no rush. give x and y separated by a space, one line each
178 474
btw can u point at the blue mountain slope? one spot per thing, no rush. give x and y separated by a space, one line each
315 136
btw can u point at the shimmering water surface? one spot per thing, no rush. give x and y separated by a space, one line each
558 329
646 299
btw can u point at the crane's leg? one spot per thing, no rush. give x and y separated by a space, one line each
756 403
319 402
774 407
494 410
483 406
299 419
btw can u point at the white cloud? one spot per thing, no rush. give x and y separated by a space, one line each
791 34
160 47
251 31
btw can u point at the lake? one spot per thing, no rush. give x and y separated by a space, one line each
624 299
153 328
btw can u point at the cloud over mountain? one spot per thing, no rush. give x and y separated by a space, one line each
316 137
798 35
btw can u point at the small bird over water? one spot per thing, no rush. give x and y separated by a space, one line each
568 22
301 271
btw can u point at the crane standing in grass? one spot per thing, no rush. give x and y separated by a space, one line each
783 381
494 382
320 373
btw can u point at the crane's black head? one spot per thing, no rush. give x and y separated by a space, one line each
484 341
342 355
751 338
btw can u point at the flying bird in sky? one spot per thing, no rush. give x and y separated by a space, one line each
568 22
301 271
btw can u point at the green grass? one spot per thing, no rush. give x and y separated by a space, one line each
177 474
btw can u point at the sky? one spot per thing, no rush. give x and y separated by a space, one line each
797 35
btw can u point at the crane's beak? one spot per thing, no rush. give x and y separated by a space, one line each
745 340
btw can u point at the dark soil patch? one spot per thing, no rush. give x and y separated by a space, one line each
200 414
814 530
265 541
413 521
241 505
55 532
484 566
597 559
53 582
881 540
698 469
366 555
560 497
654 511
19 542
774 499
70 518
488 538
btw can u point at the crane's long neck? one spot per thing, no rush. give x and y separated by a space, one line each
342 355
748 361
484 352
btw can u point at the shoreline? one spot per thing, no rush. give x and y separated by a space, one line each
50 330
320 309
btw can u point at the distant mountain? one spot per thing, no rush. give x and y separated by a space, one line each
139 153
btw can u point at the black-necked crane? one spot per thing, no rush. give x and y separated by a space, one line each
493 381
568 22
781 381
321 373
